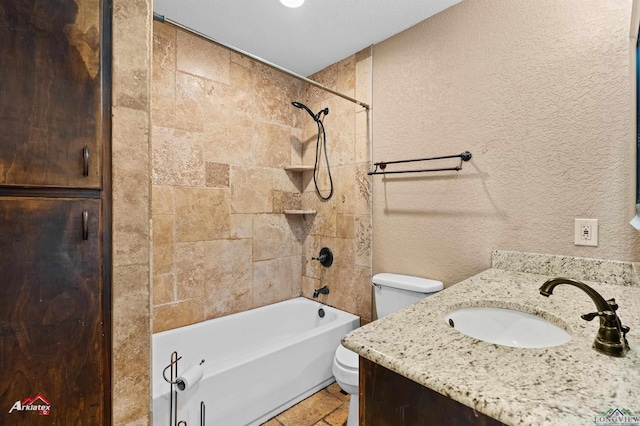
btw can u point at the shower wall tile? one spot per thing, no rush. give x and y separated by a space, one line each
274 93
311 248
309 285
163 244
363 240
276 280
164 75
363 76
362 135
364 54
217 175
228 137
162 200
250 190
282 200
190 96
179 314
163 111
163 289
363 293
286 181
241 93
202 214
272 145
223 129
346 76
164 63
237 97
345 226
344 188
276 236
228 277
362 189
241 226
343 222
177 157
190 271
202 58
324 221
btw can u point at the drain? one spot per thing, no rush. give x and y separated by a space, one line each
451 323
321 313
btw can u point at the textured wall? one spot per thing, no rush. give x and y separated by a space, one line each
540 93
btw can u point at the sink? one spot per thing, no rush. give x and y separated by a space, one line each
507 327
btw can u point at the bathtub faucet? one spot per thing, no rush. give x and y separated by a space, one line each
319 291
612 335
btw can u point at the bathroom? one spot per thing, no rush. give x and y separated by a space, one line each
542 97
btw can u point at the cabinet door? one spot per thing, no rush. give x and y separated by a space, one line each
52 348
53 109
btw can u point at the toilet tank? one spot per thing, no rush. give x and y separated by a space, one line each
394 291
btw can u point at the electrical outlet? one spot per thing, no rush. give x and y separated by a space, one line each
586 232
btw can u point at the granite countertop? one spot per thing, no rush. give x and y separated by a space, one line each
564 385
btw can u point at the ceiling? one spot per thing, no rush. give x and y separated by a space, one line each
305 39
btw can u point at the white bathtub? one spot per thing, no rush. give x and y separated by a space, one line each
257 364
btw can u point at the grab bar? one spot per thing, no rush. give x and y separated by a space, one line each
465 156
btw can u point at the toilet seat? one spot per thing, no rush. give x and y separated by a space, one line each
346 358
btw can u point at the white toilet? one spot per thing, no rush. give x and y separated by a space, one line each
392 293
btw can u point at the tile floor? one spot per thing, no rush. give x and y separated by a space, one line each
327 407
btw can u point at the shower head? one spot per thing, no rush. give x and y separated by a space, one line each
316 117
304 107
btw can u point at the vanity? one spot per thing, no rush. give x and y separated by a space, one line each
416 369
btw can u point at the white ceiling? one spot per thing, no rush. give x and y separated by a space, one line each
303 40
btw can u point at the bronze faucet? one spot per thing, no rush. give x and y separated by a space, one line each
612 336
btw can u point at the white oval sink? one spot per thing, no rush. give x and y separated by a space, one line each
507 327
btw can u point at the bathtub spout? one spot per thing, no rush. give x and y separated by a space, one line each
319 291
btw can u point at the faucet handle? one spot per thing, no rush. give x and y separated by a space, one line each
591 316
613 304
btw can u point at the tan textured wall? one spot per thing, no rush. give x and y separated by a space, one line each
131 325
223 129
540 93
343 223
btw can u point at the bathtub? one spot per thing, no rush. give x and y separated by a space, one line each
257 363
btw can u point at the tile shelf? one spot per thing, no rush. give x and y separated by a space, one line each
299 212
300 168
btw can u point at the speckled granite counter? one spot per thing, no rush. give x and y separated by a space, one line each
565 385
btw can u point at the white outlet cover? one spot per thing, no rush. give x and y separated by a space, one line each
593 224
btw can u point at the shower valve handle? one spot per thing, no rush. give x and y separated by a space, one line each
325 257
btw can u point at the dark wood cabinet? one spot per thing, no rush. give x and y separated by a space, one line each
55 210
389 399
51 87
52 330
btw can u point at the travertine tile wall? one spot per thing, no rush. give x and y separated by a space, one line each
343 223
131 325
223 129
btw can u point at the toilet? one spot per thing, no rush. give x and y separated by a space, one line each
392 293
